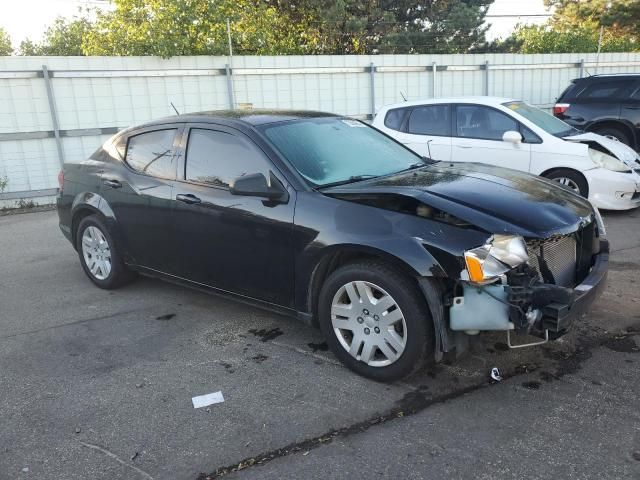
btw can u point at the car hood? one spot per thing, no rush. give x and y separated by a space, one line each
494 199
615 148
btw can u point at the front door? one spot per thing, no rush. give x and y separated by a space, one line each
478 138
235 243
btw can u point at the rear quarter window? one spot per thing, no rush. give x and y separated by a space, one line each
394 118
151 153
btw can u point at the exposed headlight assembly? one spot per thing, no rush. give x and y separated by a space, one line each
607 161
500 254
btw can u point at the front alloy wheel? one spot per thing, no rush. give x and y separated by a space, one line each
375 320
368 323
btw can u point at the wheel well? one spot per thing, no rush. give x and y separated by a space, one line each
613 124
77 218
334 260
547 173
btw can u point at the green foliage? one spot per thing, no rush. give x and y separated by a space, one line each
581 39
192 27
63 38
4 181
389 26
5 43
575 27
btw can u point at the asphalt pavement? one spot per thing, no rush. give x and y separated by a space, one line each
98 384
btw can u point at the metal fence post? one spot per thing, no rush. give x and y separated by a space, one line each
581 67
54 114
372 86
229 72
434 68
486 77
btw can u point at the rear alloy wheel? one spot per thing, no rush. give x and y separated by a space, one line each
98 255
571 180
375 320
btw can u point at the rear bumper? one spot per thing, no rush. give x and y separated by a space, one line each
558 317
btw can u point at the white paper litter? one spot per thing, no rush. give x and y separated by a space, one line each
495 375
208 399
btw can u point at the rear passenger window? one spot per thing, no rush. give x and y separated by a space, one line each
604 90
152 153
216 157
430 120
395 118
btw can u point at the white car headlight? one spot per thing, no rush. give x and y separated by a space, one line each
607 161
500 254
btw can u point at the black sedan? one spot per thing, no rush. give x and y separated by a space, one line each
398 259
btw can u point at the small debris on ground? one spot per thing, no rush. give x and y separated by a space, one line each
208 399
495 375
78 430
134 456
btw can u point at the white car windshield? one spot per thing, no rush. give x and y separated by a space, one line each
542 119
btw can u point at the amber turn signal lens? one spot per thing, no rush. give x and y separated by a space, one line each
474 267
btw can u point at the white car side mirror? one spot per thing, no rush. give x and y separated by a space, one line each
512 136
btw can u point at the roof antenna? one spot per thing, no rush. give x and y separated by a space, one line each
402 95
174 107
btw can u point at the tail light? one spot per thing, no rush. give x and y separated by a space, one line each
560 108
61 180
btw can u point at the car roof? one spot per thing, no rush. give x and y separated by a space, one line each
250 117
605 76
480 100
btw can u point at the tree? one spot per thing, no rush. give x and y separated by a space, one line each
63 38
192 27
5 43
390 26
575 27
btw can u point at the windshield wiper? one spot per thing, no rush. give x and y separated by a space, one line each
352 179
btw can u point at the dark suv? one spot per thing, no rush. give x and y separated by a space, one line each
397 258
605 104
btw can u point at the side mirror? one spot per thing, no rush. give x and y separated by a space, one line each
256 185
512 136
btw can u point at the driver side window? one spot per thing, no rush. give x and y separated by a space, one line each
216 158
477 121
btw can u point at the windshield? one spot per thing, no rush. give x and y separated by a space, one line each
544 120
336 150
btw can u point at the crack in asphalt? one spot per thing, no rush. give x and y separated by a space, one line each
416 402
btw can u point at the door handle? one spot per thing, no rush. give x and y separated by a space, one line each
188 198
465 146
112 183
631 108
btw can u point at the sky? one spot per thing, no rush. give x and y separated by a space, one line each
29 18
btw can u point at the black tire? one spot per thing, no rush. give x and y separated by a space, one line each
419 339
576 177
119 275
615 133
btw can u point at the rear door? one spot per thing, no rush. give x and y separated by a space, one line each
139 189
478 131
426 129
235 243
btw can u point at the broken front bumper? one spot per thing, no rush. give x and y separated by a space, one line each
544 310
558 317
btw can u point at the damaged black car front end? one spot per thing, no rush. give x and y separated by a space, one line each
514 252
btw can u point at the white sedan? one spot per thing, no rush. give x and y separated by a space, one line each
510 133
